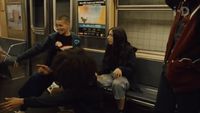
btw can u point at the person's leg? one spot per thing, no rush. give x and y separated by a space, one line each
35 86
105 80
188 102
4 71
119 87
165 101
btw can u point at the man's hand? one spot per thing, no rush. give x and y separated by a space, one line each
43 69
10 104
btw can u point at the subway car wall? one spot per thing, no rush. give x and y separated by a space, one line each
147 27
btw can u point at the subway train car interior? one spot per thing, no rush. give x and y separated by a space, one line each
130 56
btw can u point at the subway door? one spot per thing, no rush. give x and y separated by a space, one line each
43 16
39 12
14 39
40 24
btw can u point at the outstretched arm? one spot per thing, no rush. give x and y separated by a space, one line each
62 98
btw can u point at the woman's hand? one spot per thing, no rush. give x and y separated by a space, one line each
43 69
117 73
10 104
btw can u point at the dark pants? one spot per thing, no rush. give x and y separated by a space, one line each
35 86
165 101
4 71
188 102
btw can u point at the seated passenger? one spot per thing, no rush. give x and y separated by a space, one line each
118 65
55 42
75 72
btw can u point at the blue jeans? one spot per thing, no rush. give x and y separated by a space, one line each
118 85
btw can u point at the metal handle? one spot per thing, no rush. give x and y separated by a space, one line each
31 14
54 15
45 14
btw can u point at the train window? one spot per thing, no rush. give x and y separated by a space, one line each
61 7
147 26
37 7
141 2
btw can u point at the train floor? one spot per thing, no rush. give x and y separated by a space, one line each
9 88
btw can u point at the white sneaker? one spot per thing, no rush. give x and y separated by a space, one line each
19 111
52 86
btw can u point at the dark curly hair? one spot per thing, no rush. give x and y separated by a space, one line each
73 68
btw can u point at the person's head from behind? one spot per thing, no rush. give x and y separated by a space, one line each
63 25
173 3
74 69
117 37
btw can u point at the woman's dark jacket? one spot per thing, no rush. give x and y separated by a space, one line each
125 59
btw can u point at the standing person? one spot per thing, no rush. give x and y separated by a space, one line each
180 83
39 81
75 72
118 65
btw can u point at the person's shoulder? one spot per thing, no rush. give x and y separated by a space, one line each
76 39
53 35
130 48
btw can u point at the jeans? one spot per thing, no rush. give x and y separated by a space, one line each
118 85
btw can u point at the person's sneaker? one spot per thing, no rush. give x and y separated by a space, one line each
19 111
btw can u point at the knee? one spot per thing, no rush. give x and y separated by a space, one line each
117 84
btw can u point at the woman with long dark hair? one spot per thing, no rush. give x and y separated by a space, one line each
118 65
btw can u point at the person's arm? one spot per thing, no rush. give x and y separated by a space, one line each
62 98
37 49
59 99
128 68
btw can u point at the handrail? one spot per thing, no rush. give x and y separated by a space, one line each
11 46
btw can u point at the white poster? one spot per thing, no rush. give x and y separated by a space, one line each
14 17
